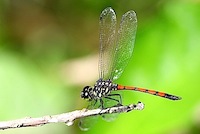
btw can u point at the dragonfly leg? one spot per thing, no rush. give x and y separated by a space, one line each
119 101
101 103
92 104
95 103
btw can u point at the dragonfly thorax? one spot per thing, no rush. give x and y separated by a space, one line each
101 89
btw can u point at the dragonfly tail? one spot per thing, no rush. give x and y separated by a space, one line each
153 92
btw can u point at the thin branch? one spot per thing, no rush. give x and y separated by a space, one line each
67 118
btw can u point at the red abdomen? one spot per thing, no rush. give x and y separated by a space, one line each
153 92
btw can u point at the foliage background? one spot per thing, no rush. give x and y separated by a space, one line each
48 52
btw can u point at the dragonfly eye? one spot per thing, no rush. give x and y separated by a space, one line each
85 94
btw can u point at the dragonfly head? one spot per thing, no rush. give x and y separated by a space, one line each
86 92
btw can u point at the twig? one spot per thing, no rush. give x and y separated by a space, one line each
67 118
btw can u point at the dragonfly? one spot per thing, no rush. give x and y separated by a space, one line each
116 48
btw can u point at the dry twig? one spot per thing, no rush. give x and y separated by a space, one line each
67 118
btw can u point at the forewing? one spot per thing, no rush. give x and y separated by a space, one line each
125 43
107 42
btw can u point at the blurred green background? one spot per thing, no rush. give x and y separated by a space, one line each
49 51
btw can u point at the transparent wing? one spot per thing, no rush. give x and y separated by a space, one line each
125 43
107 42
